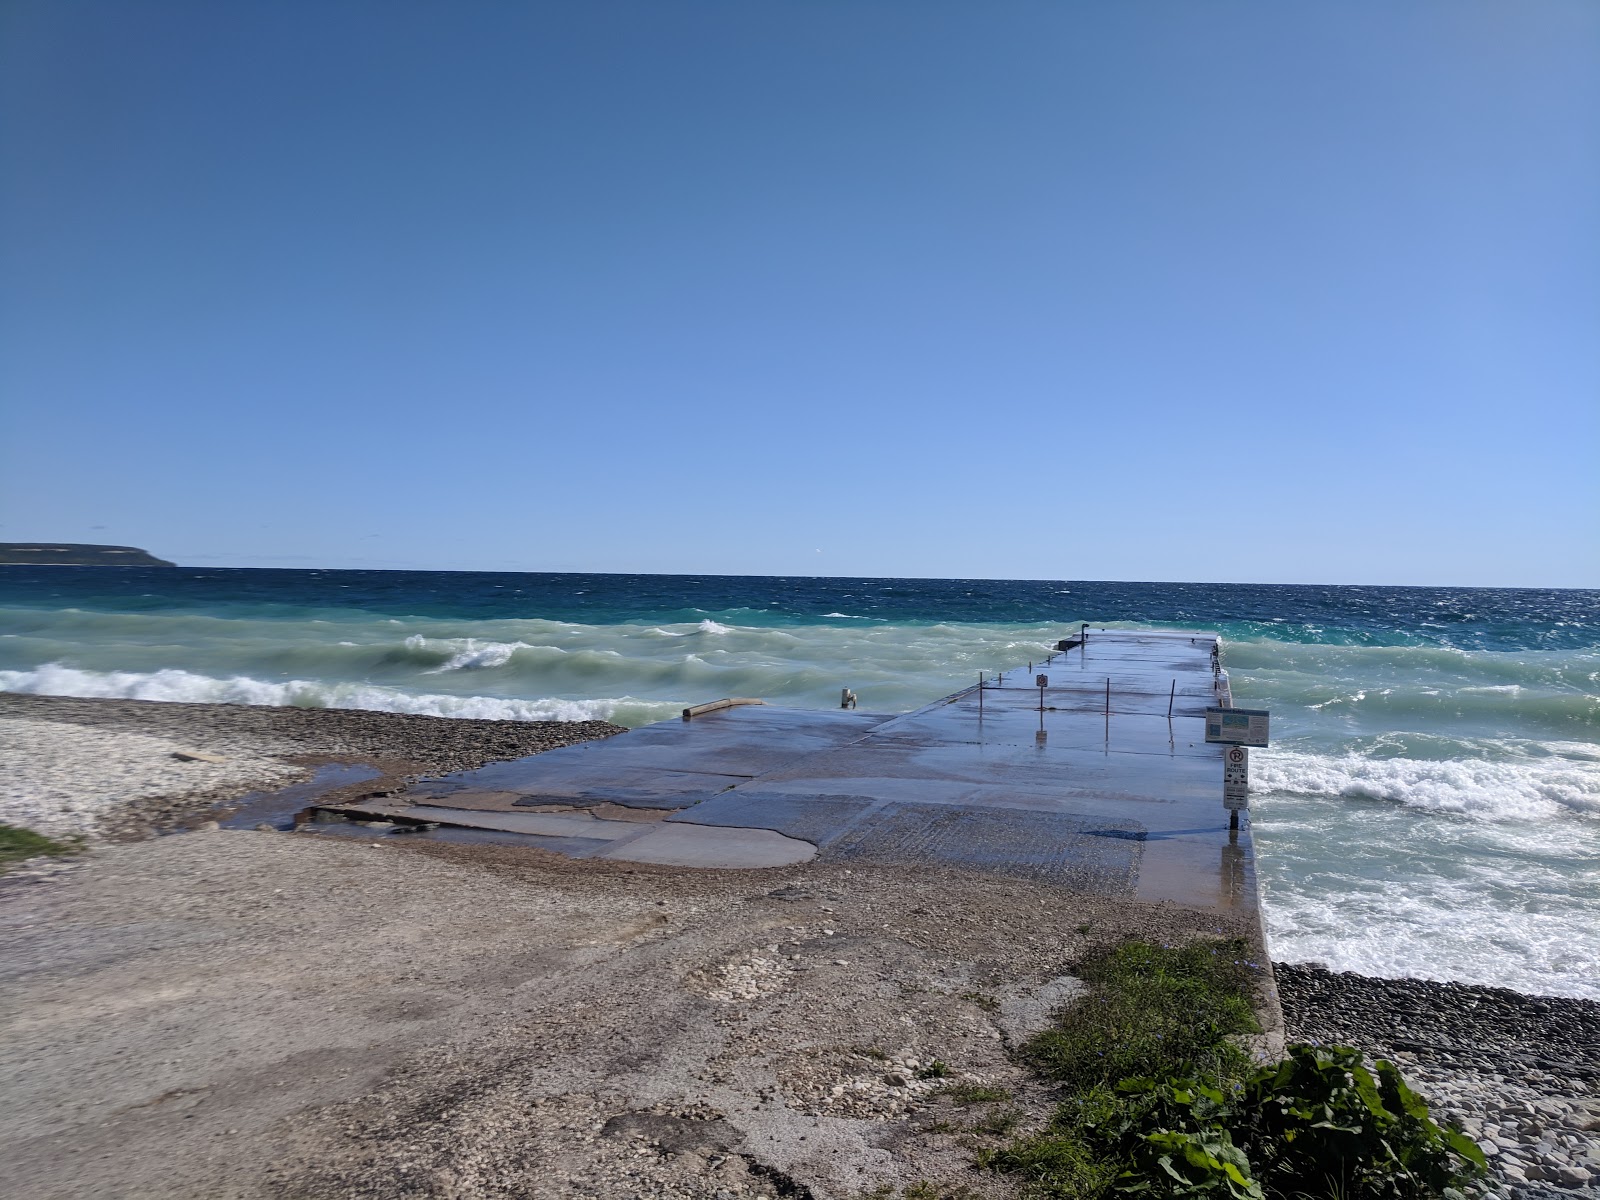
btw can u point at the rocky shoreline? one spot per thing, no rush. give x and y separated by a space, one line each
109 768
1519 1072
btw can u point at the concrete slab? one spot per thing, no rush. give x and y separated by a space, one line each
576 825
1088 854
671 764
700 846
1123 803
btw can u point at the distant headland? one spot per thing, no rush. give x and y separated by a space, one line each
71 554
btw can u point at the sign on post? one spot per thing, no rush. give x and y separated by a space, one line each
1237 726
1235 778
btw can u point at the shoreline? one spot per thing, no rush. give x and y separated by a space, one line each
1520 1072
402 746
141 789
1459 1044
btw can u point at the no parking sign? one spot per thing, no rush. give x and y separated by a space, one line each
1235 778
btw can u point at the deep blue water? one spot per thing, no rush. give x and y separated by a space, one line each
1465 618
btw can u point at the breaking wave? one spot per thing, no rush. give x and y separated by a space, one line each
1505 789
174 685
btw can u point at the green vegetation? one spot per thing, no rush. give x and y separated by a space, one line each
1150 1009
973 1093
937 1069
922 1190
998 1122
1159 1102
19 844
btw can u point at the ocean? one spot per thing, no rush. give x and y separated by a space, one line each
1430 805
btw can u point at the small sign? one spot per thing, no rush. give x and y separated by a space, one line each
1041 681
1237 726
1235 778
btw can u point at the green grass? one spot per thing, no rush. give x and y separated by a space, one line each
19 844
1152 1011
973 1093
998 1122
922 1190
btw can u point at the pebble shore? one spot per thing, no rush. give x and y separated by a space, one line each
118 768
1520 1073
67 780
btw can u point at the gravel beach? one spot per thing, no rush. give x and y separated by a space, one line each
110 768
1521 1073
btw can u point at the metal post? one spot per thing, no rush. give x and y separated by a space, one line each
980 692
1108 708
1171 697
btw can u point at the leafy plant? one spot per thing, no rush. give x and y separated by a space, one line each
1173 1163
1321 1113
1159 1103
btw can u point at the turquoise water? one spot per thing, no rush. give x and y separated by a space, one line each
1430 805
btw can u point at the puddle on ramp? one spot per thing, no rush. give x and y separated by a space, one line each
291 806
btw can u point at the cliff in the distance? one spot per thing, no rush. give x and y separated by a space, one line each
69 554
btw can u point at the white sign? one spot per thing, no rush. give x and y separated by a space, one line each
1237 726
1235 778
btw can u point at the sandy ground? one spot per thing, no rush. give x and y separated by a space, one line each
126 768
243 1014
251 1014
64 780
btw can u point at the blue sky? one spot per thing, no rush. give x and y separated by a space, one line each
1121 290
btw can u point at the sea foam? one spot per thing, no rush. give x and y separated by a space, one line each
54 679
1505 789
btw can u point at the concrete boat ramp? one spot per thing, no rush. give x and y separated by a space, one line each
1099 781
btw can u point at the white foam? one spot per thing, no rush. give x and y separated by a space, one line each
1506 789
710 626
1446 931
472 654
1355 699
55 679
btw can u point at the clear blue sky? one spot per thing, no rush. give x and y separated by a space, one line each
1296 292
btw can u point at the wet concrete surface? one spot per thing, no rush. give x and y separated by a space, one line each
290 806
671 764
1087 783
